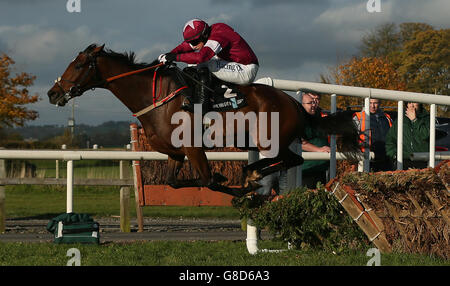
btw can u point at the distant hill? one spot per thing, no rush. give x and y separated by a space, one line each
107 134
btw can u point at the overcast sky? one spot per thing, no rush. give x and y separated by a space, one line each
293 39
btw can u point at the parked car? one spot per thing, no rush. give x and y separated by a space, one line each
442 134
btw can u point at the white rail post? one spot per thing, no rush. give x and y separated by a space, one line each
69 199
299 169
400 136
367 132
432 161
124 198
2 197
294 174
333 141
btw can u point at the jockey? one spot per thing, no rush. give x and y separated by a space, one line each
217 49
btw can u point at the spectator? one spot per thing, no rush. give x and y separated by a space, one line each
314 141
416 133
276 181
380 123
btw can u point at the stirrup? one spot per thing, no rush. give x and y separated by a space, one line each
187 105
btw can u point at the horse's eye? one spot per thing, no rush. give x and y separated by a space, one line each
78 66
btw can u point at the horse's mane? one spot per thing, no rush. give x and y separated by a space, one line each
128 58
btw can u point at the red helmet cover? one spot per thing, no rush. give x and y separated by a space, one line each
193 29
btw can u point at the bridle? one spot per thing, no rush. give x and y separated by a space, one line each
77 89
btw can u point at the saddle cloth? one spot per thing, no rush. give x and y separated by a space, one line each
227 97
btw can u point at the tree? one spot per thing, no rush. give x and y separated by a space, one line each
14 95
408 30
419 54
381 41
388 39
366 72
425 61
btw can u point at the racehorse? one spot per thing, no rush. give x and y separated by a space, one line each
136 85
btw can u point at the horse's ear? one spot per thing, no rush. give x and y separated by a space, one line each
98 49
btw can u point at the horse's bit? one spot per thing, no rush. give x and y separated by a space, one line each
77 89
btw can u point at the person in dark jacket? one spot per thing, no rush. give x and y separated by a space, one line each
380 123
416 134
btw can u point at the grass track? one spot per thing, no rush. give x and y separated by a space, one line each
49 201
46 202
223 253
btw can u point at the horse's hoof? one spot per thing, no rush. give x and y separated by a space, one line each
253 177
173 185
256 175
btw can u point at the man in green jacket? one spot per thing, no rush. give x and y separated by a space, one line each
314 141
416 134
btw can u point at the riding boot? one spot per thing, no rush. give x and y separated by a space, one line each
188 101
203 92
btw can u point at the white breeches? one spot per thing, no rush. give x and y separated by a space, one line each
231 71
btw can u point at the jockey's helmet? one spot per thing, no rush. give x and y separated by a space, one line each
194 29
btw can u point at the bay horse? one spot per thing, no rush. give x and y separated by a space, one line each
135 85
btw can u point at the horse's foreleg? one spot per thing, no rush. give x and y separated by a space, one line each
174 164
199 162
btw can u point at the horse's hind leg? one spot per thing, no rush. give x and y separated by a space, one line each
252 172
291 159
287 159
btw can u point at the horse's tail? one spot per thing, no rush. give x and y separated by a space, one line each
342 125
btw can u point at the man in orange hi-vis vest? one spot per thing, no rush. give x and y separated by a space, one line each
380 122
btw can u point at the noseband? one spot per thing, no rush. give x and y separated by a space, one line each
77 89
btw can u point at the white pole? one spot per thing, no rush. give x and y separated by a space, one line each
126 155
366 165
69 203
432 161
252 241
333 142
360 91
400 136
425 156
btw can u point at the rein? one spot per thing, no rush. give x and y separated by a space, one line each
110 79
155 104
77 90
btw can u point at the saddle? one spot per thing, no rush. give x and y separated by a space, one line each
225 96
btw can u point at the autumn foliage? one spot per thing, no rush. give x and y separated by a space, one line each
367 72
410 57
15 95
426 62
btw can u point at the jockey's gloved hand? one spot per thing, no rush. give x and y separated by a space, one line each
167 58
